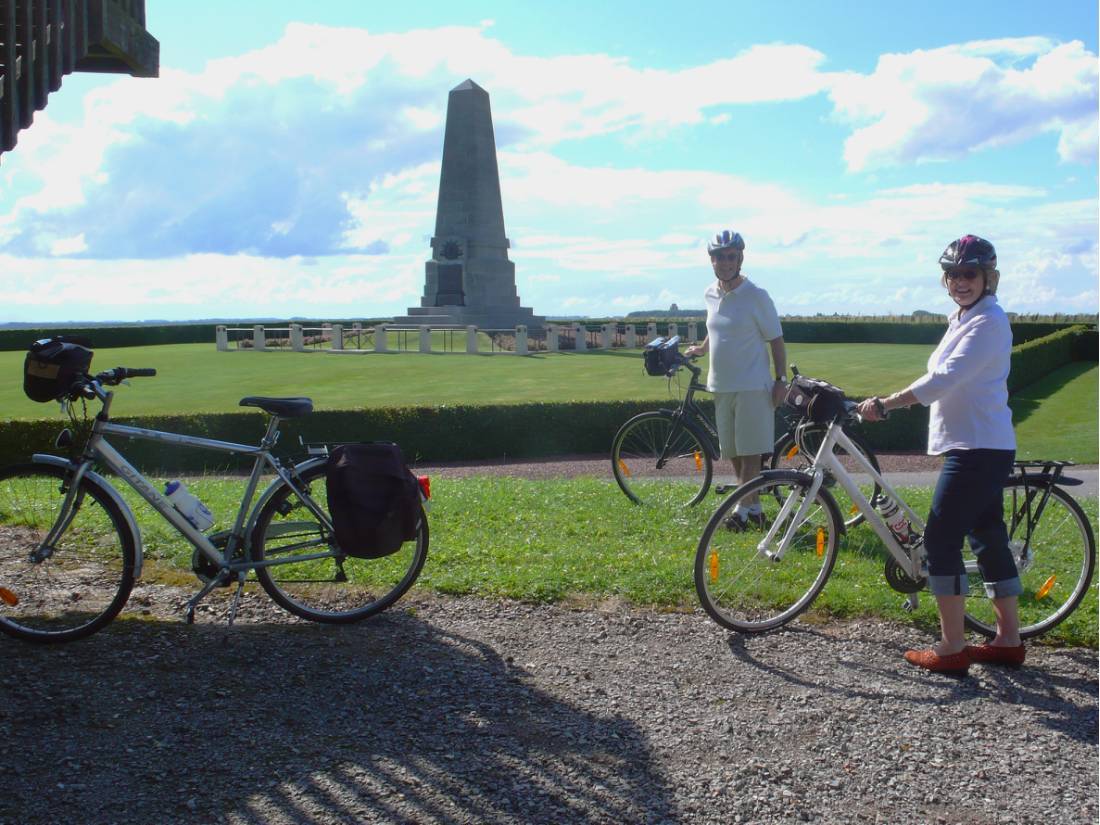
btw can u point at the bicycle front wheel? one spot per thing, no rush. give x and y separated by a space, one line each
1055 561
761 574
658 460
334 588
77 583
788 455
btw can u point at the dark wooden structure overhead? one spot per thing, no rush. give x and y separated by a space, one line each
41 41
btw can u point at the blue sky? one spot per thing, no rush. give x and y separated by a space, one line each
286 162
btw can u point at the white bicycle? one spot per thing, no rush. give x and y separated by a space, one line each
759 579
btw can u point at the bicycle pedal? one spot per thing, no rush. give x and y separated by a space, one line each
722 489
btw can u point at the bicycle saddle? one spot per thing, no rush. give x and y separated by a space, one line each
283 407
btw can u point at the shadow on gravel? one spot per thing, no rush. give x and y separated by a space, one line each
1065 703
388 721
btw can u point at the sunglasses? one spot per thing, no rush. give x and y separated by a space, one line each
965 274
733 256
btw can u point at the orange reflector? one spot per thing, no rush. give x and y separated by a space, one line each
853 511
625 470
821 541
713 566
698 460
9 598
793 451
1046 588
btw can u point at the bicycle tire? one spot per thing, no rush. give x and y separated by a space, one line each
84 580
684 478
336 589
744 590
782 458
1057 571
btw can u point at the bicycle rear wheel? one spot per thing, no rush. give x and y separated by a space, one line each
659 460
740 582
335 588
1055 563
79 583
788 455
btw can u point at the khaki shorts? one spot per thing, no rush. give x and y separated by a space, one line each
745 421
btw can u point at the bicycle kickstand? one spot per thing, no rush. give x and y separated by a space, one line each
198 597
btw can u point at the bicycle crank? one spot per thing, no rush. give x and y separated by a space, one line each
901 581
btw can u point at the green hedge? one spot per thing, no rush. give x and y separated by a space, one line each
797 332
462 432
135 335
1035 359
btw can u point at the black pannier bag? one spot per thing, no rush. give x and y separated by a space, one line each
815 399
373 498
52 366
661 355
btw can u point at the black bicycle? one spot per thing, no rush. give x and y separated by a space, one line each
666 457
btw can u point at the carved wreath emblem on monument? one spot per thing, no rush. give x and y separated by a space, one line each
451 250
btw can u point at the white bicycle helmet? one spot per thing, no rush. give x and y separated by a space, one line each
726 240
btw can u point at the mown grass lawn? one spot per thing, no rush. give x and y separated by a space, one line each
581 540
1056 418
196 378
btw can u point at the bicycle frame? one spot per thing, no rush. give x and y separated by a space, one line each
691 411
99 449
827 461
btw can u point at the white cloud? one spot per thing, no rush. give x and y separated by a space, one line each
303 179
944 103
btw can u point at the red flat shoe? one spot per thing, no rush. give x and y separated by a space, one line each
957 664
996 655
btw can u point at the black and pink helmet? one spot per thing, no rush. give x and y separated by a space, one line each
969 250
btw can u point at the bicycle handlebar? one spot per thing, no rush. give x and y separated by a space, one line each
113 377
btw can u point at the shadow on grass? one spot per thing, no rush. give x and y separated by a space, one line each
390 720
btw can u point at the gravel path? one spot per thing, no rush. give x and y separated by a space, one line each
463 710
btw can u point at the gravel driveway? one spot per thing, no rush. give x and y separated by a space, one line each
463 710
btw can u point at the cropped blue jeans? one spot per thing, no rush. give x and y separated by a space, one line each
968 504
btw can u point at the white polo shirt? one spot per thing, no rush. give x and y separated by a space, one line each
739 325
966 386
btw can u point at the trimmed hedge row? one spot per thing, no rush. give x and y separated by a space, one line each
1034 359
133 335
463 432
797 332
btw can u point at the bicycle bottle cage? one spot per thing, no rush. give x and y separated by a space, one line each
817 400
52 366
661 355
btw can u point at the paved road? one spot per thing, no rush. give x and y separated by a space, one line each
1087 475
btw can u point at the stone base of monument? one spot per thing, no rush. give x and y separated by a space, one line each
480 317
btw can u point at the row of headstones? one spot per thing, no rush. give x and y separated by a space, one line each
579 333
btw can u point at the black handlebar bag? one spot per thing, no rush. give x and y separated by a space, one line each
52 366
660 356
373 498
815 399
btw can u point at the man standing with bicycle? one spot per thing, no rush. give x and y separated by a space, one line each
742 325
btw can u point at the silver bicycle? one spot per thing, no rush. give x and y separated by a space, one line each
71 550
759 579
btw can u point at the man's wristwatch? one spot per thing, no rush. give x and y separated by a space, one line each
880 407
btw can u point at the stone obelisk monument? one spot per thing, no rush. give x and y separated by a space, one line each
469 279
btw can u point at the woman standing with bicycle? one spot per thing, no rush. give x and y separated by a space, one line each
970 425
741 318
